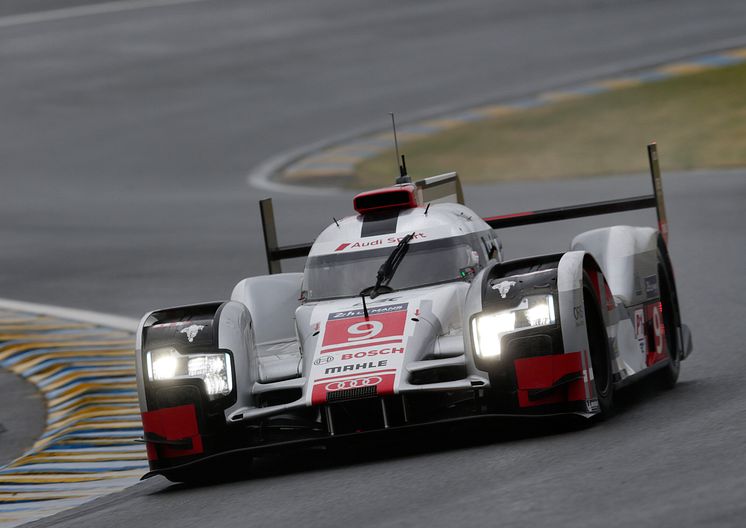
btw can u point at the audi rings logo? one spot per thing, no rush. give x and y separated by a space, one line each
353 383
323 360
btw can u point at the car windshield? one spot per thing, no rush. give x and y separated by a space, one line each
426 263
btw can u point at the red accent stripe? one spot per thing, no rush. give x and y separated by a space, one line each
385 385
354 375
513 215
542 372
172 423
362 345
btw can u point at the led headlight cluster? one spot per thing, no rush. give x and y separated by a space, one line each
214 369
489 328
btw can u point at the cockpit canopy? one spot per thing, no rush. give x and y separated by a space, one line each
427 262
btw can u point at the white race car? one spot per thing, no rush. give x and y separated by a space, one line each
406 314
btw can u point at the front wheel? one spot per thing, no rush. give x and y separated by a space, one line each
598 344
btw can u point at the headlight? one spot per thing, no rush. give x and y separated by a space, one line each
213 369
489 328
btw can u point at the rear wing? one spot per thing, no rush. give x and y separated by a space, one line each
446 187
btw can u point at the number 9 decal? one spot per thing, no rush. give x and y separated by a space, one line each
364 330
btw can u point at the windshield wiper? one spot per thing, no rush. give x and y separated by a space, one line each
387 269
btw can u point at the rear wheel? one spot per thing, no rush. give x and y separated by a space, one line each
598 344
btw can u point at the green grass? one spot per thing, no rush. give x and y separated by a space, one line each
698 120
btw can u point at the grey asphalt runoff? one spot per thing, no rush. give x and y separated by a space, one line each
22 414
124 144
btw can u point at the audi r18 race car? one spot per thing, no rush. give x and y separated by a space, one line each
406 314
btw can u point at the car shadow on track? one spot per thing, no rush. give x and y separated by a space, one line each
428 440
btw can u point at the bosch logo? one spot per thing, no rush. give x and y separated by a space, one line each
323 360
353 383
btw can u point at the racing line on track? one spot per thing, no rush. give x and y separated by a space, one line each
86 374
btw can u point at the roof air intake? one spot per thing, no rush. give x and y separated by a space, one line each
398 197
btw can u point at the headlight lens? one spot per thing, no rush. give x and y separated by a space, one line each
214 369
489 328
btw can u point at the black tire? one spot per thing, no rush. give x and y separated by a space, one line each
598 344
669 375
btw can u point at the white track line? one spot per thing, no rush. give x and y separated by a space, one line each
85 316
87 10
261 176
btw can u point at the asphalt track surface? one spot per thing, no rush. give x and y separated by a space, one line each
22 416
125 139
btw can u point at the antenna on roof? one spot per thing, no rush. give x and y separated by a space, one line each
403 178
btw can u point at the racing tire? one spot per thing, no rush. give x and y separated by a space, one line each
598 344
669 375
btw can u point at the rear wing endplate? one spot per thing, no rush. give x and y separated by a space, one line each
447 187
439 189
